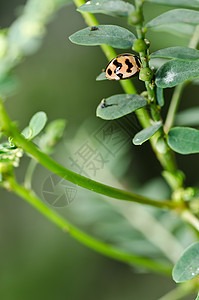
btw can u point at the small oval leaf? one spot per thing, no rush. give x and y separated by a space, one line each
187 16
146 134
109 7
176 71
112 35
188 117
118 106
184 140
182 53
177 3
187 267
37 123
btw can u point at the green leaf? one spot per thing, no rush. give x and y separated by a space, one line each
179 29
188 117
112 35
176 71
187 16
160 96
109 7
101 77
181 53
27 132
146 134
197 298
184 140
36 124
177 3
118 106
187 267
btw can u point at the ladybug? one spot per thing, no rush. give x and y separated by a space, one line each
123 66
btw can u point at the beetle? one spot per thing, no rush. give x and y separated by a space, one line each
123 66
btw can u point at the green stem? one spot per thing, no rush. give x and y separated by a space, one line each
166 160
190 218
150 87
109 52
97 245
11 130
180 292
29 174
173 107
179 89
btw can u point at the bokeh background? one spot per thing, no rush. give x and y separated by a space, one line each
37 260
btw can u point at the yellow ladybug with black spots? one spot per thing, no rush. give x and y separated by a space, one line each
123 66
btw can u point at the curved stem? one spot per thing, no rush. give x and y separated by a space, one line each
84 238
49 163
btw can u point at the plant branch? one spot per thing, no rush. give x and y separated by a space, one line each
173 107
167 159
11 130
95 244
29 174
182 290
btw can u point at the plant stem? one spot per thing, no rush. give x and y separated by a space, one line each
181 291
190 218
144 54
166 160
97 245
11 130
194 40
179 89
109 52
173 107
29 174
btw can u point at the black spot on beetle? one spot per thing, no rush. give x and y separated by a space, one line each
117 64
137 61
118 67
109 72
129 64
120 75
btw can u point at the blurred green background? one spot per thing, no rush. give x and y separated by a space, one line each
36 259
